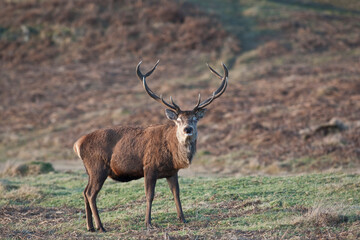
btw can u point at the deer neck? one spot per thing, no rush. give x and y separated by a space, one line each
186 149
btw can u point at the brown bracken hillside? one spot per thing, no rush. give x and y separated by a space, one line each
292 105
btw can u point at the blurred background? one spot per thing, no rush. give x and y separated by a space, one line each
292 104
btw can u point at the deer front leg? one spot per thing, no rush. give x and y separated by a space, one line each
150 182
174 187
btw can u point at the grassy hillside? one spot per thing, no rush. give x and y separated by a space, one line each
293 99
310 207
292 106
294 84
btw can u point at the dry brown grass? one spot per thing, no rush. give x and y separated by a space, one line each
324 215
16 169
23 193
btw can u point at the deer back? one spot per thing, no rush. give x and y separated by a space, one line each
126 151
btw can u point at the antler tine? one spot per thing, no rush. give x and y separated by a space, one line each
219 91
160 99
213 71
169 105
174 104
198 102
140 75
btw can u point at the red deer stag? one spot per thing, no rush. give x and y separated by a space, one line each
129 153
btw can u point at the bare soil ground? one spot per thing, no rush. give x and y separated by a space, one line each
293 102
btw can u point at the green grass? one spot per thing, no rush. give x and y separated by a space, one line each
305 206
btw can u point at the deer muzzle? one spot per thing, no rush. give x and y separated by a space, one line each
188 131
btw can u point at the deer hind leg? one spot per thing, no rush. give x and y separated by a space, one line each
89 220
96 181
174 187
150 182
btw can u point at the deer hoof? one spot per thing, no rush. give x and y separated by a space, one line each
101 229
149 226
91 229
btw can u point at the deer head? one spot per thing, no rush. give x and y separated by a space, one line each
186 121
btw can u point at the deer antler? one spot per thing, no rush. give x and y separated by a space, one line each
216 93
160 99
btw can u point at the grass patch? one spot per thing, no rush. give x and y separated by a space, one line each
52 204
28 168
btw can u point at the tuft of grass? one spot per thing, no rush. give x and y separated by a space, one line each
27 168
5 186
326 215
24 194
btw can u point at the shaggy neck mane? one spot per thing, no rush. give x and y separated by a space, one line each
185 151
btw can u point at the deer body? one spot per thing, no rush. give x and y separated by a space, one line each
126 152
129 153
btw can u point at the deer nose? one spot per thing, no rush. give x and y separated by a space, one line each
188 130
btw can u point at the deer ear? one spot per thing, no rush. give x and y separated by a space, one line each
200 113
170 114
